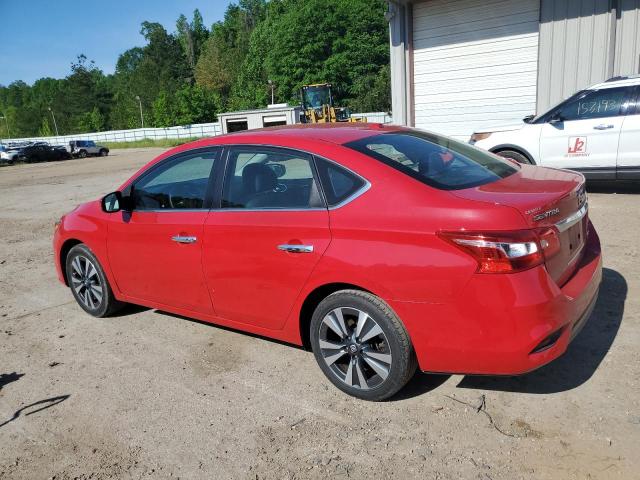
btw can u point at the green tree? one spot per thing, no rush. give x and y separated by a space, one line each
191 75
191 37
194 104
45 129
345 44
163 114
227 46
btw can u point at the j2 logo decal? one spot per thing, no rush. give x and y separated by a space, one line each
577 147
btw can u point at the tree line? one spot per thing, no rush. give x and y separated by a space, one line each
193 73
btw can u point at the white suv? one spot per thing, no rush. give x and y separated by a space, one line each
596 132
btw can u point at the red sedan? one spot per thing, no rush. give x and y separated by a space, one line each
384 249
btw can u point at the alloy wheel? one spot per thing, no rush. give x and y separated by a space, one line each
86 283
355 348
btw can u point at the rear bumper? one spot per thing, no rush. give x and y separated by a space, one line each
505 324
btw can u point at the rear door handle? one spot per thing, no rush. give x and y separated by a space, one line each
296 248
602 126
183 239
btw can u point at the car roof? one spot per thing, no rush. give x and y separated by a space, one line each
621 81
336 133
293 136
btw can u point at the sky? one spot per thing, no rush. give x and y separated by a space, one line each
40 38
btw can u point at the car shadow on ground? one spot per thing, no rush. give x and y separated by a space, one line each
6 378
129 309
230 329
613 187
584 356
420 384
571 370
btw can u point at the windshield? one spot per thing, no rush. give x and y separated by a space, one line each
545 115
437 161
315 97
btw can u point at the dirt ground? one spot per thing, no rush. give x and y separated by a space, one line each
148 394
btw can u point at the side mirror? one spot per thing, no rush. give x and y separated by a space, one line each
556 118
112 202
528 118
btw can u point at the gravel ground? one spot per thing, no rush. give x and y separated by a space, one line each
148 394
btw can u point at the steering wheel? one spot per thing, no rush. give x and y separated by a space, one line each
178 196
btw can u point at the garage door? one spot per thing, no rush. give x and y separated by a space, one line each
475 64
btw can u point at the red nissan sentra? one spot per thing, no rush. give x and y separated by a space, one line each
384 249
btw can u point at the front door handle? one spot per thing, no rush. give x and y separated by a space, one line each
602 126
183 239
296 248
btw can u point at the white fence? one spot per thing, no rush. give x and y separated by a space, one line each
186 131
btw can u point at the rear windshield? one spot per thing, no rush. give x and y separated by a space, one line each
438 161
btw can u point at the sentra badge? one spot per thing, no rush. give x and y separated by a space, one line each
547 214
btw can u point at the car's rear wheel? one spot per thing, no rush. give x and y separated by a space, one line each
361 345
82 154
514 155
89 284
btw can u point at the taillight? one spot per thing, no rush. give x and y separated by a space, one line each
506 252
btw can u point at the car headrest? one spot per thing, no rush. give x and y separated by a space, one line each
257 177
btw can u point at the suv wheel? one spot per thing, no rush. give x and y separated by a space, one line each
82 154
103 153
361 345
89 284
514 155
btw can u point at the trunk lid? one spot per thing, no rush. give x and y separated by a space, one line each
545 197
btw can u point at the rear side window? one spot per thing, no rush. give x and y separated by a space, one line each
437 161
338 183
270 178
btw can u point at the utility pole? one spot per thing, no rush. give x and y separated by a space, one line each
55 125
272 86
7 122
141 116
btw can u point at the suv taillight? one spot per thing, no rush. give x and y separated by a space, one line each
508 251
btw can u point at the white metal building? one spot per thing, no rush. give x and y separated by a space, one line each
464 65
272 116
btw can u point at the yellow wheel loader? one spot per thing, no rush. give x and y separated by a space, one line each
317 106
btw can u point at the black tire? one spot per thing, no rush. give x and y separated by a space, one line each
82 154
104 153
514 155
393 342
81 286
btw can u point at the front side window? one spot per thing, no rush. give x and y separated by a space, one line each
437 161
180 183
607 102
270 179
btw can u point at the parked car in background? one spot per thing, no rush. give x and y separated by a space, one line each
596 132
41 152
382 248
86 148
8 154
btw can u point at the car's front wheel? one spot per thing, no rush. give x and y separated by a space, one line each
361 345
89 284
514 155
103 153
